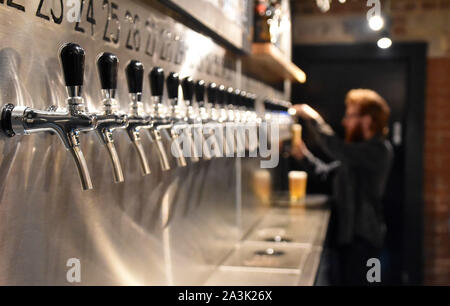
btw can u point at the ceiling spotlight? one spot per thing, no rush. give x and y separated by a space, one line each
324 5
376 23
342 1
384 43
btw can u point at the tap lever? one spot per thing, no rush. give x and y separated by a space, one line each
200 92
236 100
72 61
156 77
188 90
108 66
135 76
243 99
212 93
229 96
221 94
173 82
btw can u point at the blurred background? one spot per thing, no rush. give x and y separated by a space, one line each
337 49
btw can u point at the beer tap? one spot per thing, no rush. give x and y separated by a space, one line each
250 117
223 119
190 117
205 115
137 118
67 124
236 101
111 118
212 93
246 107
251 104
232 116
229 100
221 98
173 83
159 116
195 115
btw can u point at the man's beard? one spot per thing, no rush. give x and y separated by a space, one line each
354 135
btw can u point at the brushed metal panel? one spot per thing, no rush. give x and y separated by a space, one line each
165 228
226 276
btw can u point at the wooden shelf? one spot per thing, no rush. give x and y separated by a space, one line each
268 64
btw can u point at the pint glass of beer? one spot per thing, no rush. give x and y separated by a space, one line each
262 185
297 185
296 134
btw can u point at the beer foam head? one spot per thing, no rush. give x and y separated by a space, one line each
296 128
262 174
298 174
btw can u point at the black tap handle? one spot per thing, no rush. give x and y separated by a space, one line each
173 82
188 88
248 100
135 76
244 99
270 105
212 93
221 92
230 96
72 61
200 91
108 66
252 100
237 97
156 78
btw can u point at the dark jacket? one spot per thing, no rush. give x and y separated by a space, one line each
360 176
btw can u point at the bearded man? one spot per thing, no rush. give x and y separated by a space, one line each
361 169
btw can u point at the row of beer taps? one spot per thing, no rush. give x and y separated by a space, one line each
223 105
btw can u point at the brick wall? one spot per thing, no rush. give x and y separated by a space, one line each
437 172
411 20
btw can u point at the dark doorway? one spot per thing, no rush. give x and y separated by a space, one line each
398 74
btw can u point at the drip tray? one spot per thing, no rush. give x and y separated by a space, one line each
301 228
278 239
267 255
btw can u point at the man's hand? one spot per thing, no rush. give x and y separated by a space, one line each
307 112
298 150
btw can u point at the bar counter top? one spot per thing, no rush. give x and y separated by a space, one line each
282 249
